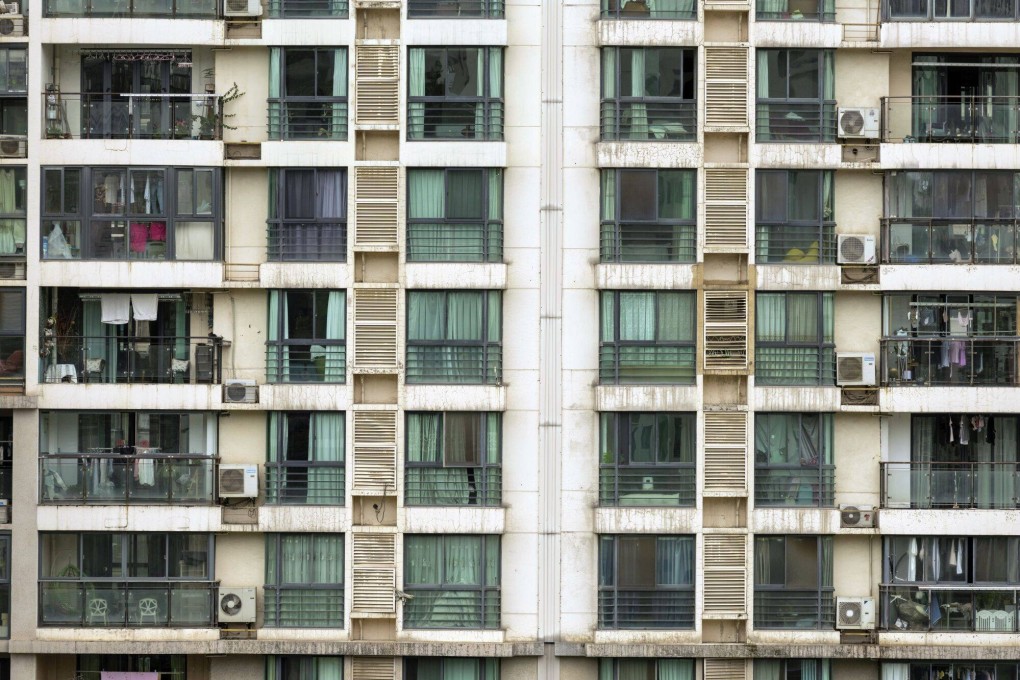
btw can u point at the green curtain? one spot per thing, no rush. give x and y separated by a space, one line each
674 561
607 314
638 110
802 317
826 561
495 122
674 317
671 9
11 230
435 484
458 668
423 565
427 200
464 315
606 667
767 669
763 128
637 316
306 559
275 91
494 332
773 9
416 81
463 560
326 445
610 124
339 121
336 329
426 315
828 75
770 317
609 195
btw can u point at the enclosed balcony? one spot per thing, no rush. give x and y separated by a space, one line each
927 240
972 119
156 9
455 9
98 115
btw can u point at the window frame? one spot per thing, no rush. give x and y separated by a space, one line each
825 226
278 370
685 230
280 126
485 482
487 668
280 465
609 668
492 350
491 228
277 249
276 590
616 461
826 107
431 9
613 375
489 595
826 369
823 594
610 592
283 9
612 108
823 469
929 14
492 106
5 583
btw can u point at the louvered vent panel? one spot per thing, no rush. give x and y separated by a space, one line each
725 452
725 574
376 193
726 86
374 571
373 550
726 209
372 668
726 329
377 77
725 669
375 328
375 453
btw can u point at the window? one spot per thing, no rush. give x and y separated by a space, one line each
455 93
307 214
647 337
308 93
13 99
304 581
649 9
6 456
127 457
126 579
167 666
453 459
649 216
649 93
304 668
308 9
12 217
12 336
454 337
134 213
646 582
795 221
793 339
453 9
5 586
450 668
180 9
950 10
306 336
784 10
793 582
951 217
650 669
924 670
796 96
647 459
793 459
454 581
791 669
306 458
455 215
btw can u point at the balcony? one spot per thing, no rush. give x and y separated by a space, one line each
950 360
621 364
440 118
645 608
647 485
454 364
659 118
134 360
639 9
435 608
455 242
794 366
808 486
787 121
925 485
305 483
648 242
794 609
159 604
309 119
136 116
795 244
455 9
453 486
307 9
968 119
301 361
948 242
949 608
289 242
112 479
320 606
156 9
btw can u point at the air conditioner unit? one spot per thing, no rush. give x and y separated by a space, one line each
858 123
855 368
12 26
238 481
242 8
855 613
9 8
13 146
12 270
855 249
857 517
240 392
235 605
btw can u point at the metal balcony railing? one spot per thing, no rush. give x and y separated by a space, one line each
949 608
949 360
435 608
455 242
794 485
441 118
641 10
454 364
789 121
150 359
308 119
795 244
133 604
950 485
622 364
650 608
638 242
98 115
155 9
794 609
777 365
304 606
453 486
454 9
113 479
306 361
309 242
307 9
305 483
647 485
649 118
970 119
927 241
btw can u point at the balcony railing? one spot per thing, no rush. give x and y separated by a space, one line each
307 9
795 244
112 479
433 608
97 115
159 604
656 119
647 485
306 361
794 609
817 10
454 364
794 485
789 121
971 119
439 118
455 242
949 360
949 242
288 242
156 9
960 608
651 608
308 119
304 607
794 365
295 483
640 9
950 485
150 359
621 364
453 486
454 9
648 242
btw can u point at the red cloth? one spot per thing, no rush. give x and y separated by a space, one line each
139 236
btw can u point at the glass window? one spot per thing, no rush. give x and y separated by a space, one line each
307 214
455 215
308 9
649 93
308 92
646 669
793 339
13 70
454 9
675 10
167 666
647 459
793 459
647 337
795 220
649 216
306 458
454 580
304 581
455 93
5 586
793 582
784 10
304 668
12 335
646 581
450 668
453 459
796 96
307 331
950 10
791 669
454 337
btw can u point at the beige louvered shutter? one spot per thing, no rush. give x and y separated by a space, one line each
726 86
726 330
375 453
376 85
374 572
376 198
375 328
725 209
725 453
725 575
372 668
725 669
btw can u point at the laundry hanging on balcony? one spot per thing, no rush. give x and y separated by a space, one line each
115 307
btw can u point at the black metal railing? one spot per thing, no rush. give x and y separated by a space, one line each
440 118
453 486
639 9
307 242
307 9
623 242
454 364
306 361
928 241
970 119
794 609
950 608
794 365
455 9
155 604
150 359
647 485
795 485
950 485
651 608
434 608
156 9
780 120
795 244
98 115
322 119
649 118
621 364
305 483
455 242
818 10
304 606
908 361
113 479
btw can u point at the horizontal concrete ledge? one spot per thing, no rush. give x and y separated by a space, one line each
261 647
1005 650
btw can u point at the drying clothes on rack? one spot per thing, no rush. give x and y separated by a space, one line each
964 431
145 472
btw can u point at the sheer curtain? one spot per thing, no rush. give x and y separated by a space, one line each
674 561
773 9
275 68
11 230
638 110
416 78
763 128
895 671
339 121
326 445
671 9
279 330
767 669
675 669
308 559
922 444
637 316
427 201
610 122
336 329
495 81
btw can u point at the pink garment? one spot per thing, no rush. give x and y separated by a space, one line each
139 236
157 231
116 675
958 352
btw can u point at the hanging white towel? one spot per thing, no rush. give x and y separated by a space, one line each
116 308
144 306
